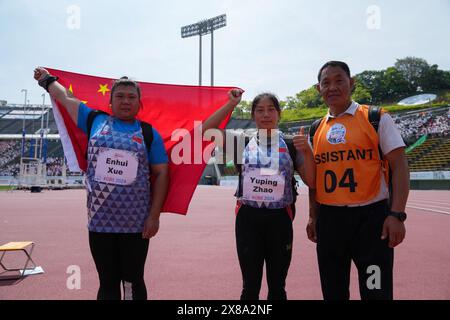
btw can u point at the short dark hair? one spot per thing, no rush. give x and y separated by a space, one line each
339 64
268 95
125 81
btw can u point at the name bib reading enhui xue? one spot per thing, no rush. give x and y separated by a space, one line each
263 185
116 167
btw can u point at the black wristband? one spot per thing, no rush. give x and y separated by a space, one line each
399 215
47 81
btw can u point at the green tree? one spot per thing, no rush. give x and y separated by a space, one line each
435 79
361 94
446 78
373 82
394 85
243 110
414 71
290 103
309 98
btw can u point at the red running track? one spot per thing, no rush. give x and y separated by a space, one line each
194 257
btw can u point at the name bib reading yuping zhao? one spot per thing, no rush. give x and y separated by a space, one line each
116 167
263 185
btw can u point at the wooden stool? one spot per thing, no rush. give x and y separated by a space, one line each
17 246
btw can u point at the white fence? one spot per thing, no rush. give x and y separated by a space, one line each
430 175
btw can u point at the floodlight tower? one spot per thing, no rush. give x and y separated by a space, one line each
200 29
23 120
42 128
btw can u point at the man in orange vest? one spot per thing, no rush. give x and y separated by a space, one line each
352 214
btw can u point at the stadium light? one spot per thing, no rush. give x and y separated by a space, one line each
23 132
24 106
42 127
200 29
43 111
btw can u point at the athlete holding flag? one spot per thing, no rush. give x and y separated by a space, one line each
266 193
123 207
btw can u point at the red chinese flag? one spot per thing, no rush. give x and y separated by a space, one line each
165 107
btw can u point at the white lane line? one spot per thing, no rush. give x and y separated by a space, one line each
428 209
429 200
414 203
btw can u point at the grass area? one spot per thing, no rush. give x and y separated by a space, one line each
302 114
397 108
5 188
314 113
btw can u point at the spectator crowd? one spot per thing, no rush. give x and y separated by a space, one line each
413 127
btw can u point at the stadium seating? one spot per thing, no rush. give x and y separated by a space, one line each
433 155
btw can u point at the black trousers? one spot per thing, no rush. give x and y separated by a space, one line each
119 259
354 233
263 235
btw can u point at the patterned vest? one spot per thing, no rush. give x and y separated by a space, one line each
274 159
117 208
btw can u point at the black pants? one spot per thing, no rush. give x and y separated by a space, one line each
119 258
263 235
345 234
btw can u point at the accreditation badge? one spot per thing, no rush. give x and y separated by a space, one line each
116 166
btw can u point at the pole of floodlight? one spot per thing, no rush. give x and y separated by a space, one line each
23 120
43 111
24 106
212 57
200 62
23 131
42 127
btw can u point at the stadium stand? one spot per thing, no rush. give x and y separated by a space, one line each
433 155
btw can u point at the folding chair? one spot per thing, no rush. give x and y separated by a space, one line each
17 246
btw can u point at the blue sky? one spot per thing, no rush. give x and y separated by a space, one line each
275 46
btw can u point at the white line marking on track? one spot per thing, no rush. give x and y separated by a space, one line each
428 200
428 209
428 205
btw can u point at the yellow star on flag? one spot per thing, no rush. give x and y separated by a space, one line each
103 89
71 91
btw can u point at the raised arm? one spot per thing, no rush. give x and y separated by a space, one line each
58 92
217 117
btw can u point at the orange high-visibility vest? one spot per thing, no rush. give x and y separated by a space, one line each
348 164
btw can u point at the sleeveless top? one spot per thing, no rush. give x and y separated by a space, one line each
267 174
117 180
